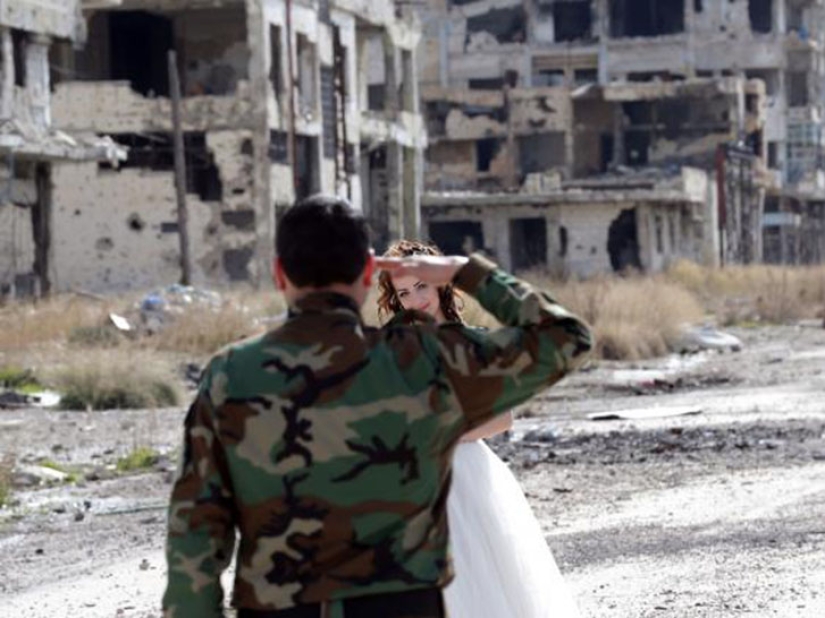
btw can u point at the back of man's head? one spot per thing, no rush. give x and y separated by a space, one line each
322 241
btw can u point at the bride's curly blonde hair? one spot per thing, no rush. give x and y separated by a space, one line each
388 302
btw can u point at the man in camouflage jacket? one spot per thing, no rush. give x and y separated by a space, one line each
327 444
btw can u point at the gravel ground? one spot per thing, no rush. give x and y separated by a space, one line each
718 513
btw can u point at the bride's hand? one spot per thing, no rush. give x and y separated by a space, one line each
437 270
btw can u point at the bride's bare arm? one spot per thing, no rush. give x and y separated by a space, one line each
498 425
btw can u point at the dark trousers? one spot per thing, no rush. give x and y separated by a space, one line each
428 603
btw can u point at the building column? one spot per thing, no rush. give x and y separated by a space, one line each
413 178
779 17
7 84
392 100
395 190
38 79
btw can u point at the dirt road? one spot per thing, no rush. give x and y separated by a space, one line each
720 513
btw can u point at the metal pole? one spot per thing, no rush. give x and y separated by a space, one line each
180 171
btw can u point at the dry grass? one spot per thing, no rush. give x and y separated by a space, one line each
6 468
759 293
115 379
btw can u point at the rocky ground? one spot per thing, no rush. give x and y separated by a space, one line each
713 507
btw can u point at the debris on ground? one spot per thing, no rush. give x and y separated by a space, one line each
709 338
644 413
160 307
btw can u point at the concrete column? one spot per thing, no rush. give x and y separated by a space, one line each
601 30
392 102
618 134
410 80
7 83
780 24
395 190
413 180
38 79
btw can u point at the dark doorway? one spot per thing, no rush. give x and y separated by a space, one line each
623 242
486 150
457 237
306 160
139 44
646 18
528 243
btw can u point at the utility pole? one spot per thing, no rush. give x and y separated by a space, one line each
180 171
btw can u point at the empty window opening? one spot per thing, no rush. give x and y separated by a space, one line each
202 175
623 242
563 241
773 155
307 161
486 151
643 18
210 43
698 6
585 76
328 111
541 151
243 220
131 59
508 25
376 73
548 77
495 83
761 15
637 147
456 237
276 76
528 243
572 20
279 147
19 41
152 151
797 88
306 76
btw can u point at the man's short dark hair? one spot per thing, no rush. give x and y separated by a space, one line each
321 240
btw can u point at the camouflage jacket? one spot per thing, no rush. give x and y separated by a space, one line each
328 444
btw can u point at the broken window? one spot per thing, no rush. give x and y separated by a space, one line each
528 243
328 112
585 76
202 175
541 151
457 237
210 43
19 40
152 151
275 60
572 20
236 263
761 15
549 77
563 241
376 73
278 147
507 25
773 155
306 75
486 151
797 88
496 83
646 18
307 161
623 242
698 6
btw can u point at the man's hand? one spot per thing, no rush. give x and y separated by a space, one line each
437 270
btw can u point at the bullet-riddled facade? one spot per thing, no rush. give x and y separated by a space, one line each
627 133
329 85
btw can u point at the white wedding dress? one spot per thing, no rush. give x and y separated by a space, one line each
503 566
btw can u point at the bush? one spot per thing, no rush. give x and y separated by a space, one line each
18 379
104 380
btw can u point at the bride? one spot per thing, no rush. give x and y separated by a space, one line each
503 566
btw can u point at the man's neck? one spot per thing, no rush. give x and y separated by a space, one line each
295 295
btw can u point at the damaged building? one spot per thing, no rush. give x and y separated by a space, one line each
279 99
31 149
588 136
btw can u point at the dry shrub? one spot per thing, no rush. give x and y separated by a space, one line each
774 294
25 324
203 330
6 469
115 379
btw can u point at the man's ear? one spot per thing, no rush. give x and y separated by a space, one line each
278 274
369 269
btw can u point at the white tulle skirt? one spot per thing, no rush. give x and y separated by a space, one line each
503 566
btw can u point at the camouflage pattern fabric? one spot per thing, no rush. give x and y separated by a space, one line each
328 445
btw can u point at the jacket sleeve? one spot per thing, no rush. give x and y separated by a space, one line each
539 343
201 528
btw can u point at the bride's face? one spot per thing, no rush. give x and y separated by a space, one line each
415 294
